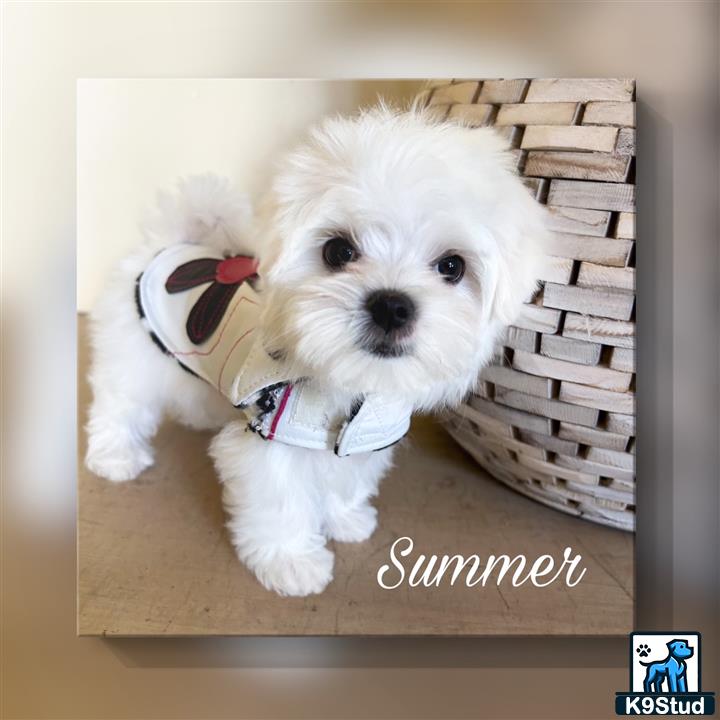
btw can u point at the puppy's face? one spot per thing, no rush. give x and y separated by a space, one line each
398 250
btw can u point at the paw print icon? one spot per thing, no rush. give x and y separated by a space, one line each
643 650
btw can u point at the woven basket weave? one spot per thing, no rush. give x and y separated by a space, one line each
554 415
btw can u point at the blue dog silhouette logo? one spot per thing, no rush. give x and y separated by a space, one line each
665 676
668 674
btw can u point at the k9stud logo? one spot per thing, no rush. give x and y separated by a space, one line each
665 676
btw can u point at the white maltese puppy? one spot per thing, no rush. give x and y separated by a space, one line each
393 251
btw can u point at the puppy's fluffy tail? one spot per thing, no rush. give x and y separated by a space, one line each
204 209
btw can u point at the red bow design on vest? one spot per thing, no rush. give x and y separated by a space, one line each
225 277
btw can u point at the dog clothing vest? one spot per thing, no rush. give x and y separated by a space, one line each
202 309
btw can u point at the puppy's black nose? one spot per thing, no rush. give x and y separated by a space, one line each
390 310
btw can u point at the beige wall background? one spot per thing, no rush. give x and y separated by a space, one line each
137 136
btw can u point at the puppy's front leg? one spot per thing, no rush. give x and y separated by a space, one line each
349 484
271 495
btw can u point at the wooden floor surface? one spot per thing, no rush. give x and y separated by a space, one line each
154 558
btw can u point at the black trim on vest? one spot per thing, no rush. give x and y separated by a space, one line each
159 343
156 340
354 410
138 304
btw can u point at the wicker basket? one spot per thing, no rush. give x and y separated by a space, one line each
554 415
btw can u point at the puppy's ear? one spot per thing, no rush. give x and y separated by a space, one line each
513 274
281 260
283 221
274 251
514 225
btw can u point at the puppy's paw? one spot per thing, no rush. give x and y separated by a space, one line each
351 524
294 574
118 464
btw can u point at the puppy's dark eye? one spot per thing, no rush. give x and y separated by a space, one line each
452 268
339 251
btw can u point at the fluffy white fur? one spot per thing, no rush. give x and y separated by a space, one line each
408 191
